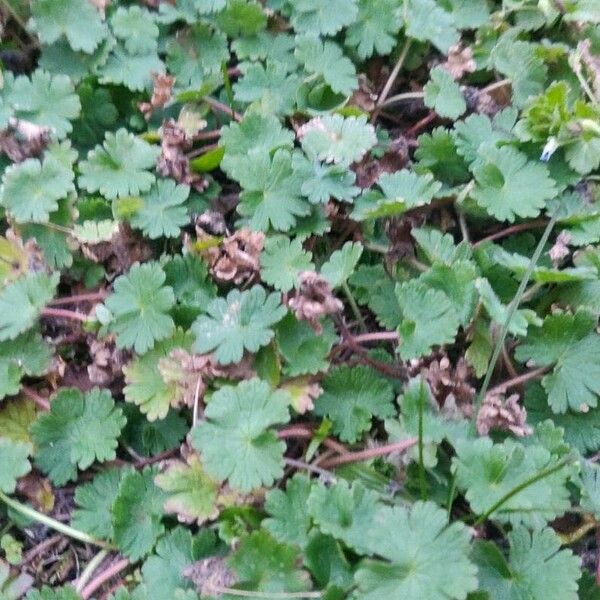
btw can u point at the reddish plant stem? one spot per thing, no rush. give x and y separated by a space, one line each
420 125
40 401
91 297
368 454
103 577
208 135
536 224
216 105
203 150
62 313
42 547
377 336
297 431
519 380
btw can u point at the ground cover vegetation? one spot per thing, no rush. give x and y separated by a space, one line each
300 299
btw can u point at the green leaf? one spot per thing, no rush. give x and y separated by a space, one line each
27 354
590 488
429 319
145 386
351 397
16 416
119 166
443 94
98 113
255 133
498 312
30 293
271 87
289 520
327 563
153 437
236 441
79 22
14 463
570 343
282 260
303 350
271 194
242 321
375 28
426 21
508 185
429 558
134 71
261 564
402 190
326 60
581 429
94 502
374 287
136 28
335 139
439 247
346 512
75 432
46 100
137 513
437 152
163 571
341 263
487 472
139 306
478 132
242 17
313 17
163 211
519 61
183 54
322 182
31 189
66 592
531 553
192 494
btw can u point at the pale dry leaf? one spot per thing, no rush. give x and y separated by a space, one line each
314 299
505 414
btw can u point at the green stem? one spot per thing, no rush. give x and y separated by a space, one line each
90 569
511 311
519 488
354 307
33 514
451 493
422 482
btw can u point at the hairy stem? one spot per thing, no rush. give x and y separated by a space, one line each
61 313
370 453
103 577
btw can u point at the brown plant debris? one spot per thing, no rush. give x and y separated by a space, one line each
173 161
210 575
237 258
459 62
107 361
192 373
314 299
560 249
450 386
22 139
508 415
118 254
161 94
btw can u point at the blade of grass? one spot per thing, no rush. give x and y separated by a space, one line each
511 311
